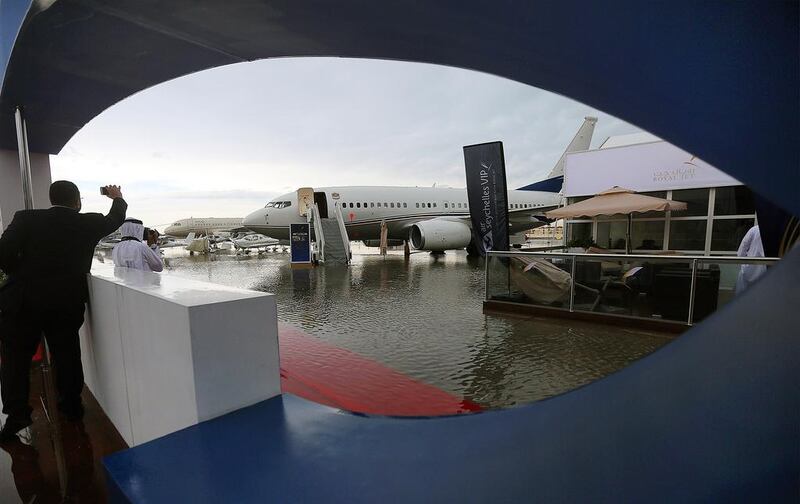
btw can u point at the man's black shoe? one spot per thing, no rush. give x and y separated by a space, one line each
11 427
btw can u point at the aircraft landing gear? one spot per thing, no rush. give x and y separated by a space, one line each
472 250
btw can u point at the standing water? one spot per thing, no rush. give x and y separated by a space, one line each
423 317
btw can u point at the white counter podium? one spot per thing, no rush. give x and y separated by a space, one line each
161 353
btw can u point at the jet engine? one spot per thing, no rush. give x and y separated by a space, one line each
438 235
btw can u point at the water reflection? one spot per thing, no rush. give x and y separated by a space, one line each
34 465
423 316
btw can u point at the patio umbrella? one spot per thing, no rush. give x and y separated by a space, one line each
616 200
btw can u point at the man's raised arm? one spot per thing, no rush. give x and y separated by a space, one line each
116 216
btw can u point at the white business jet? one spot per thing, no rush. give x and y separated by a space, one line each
431 218
258 242
203 226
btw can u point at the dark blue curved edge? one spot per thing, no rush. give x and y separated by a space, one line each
550 185
717 78
714 416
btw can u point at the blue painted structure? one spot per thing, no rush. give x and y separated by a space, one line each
706 418
716 78
300 235
712 416
550 185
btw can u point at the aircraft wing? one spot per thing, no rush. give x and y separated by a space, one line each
521 219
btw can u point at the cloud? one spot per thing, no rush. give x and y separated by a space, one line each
217 141
237 194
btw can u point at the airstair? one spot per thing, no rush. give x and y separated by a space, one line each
331 243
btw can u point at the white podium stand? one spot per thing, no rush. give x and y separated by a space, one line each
161 353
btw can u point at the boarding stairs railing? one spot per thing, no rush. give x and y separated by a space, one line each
337 243
318 245
337 212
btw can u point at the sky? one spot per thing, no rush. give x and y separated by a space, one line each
223 142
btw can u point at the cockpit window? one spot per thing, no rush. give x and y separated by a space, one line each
279 204
177 224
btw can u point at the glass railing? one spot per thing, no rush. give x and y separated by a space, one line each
683 289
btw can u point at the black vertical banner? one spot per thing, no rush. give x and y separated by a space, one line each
487 195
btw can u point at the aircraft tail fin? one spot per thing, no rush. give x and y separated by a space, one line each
580 142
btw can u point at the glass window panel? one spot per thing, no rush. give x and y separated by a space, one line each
580 233
647 235
696 200
687 235
727 234
611 235
737 200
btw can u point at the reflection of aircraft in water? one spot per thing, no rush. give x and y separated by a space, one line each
431 218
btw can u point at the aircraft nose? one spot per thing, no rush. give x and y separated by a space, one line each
254 219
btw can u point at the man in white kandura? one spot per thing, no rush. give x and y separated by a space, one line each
131 252
751 246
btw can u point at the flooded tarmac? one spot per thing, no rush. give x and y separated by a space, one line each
423 316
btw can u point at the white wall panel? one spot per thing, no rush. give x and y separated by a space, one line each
11 185
233 336
103 358
656 166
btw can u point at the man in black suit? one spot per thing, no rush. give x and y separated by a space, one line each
47 255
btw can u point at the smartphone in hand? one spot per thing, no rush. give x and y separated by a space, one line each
104 191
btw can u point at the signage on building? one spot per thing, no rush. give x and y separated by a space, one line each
487 195
300 239
655 166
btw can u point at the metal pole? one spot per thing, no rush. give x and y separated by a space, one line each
24 159
691 292
628 235
48 385
486 277
572 285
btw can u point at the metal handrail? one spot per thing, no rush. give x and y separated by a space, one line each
319 236
693 261
621 257
337 211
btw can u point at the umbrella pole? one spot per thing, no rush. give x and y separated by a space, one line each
628 235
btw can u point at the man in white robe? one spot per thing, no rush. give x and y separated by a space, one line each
131 252
751 246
